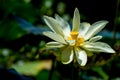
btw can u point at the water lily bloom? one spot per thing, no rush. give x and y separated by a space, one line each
77 42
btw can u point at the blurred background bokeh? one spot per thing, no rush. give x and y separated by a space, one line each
22 45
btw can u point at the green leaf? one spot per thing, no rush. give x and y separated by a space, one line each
32 68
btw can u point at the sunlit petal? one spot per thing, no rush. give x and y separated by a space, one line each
54 25
55 37
83 29
81 57
96 38
54 45
76 21
95 28
99 47
67 55
65 26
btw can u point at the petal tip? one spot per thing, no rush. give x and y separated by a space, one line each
104 21
112 51
76 9
65 62
82 64
45 17
44 33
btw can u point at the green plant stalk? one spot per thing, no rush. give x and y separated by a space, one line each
115 20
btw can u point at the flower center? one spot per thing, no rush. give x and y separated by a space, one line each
74 36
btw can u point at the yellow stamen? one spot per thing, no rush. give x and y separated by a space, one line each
79 41
69 38
74 36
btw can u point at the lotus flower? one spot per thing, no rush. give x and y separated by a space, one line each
77 42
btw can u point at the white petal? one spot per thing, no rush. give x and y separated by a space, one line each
76 21
55 37
83 29
95 28
67 55
99 47
81 57
71 42
65 26
96 38
54 45
54 25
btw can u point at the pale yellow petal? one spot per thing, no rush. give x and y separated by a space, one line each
81 57
76 21
54 25
83 29
67 55
96 38
95 28
98 47
64 24
55 37
54 45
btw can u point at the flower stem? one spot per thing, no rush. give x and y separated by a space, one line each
52 69
115 20
72 74
72 66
